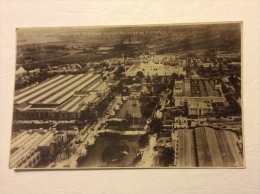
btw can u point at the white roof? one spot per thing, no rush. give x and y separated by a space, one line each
20 70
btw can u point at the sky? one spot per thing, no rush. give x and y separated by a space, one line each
124 30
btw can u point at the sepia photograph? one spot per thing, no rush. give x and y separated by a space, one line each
144 96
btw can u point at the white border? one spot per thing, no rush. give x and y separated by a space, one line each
28 13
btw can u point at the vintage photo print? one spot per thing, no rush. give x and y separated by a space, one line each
147 96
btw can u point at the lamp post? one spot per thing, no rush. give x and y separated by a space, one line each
133 105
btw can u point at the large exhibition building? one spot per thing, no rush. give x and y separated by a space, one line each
62 97
154 66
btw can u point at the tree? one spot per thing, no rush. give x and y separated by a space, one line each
148 79
119 71
128 81
156 126
140 74
144 140
201 71
182 76
121 89
175 76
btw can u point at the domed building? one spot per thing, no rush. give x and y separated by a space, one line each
151 67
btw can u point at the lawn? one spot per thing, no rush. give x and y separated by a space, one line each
127 106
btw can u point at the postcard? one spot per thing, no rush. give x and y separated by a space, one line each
147 96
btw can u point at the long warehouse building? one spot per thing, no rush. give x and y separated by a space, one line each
62 97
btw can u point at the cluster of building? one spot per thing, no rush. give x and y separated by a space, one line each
227 55
199 96
232 123
201 138
68 68
203 141
30 146
61 97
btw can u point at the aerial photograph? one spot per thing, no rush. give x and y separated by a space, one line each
146 96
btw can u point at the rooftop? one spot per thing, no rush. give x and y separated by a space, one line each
56 90
197 88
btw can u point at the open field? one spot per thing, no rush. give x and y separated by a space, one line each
38 57
81 58
76 58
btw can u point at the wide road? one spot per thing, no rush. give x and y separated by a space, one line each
148 154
